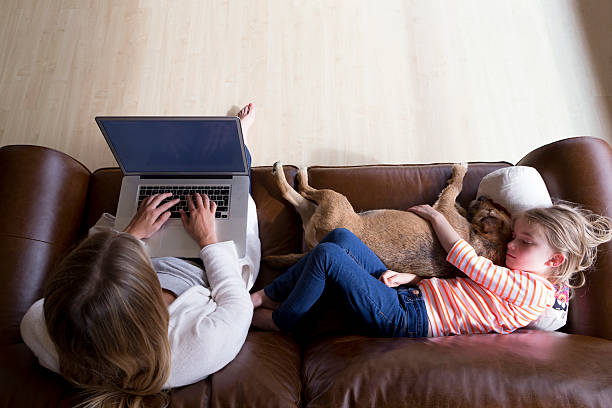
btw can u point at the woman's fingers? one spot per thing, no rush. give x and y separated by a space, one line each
158 198
201 203
207 203
190 204
161 220
184 217
166 206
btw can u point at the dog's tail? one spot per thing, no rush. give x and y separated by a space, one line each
282 261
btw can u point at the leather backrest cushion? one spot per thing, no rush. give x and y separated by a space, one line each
104 192
280 228
397 186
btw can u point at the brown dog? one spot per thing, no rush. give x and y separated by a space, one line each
401 239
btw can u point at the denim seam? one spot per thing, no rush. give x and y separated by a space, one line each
372 302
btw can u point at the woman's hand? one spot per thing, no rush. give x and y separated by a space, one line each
393 279
150 216
201 222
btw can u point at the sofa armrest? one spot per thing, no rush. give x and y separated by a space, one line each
43 198
580 170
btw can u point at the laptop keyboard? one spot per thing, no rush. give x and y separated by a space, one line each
220 194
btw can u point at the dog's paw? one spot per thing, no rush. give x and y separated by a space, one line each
459 169
277 166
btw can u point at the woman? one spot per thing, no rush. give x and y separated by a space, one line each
123 327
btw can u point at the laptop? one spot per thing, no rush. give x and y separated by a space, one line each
181 155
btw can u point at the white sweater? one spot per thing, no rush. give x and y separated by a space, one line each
208 325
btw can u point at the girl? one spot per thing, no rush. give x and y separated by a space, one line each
123 327
549 246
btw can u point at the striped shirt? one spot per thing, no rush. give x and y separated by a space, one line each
491 299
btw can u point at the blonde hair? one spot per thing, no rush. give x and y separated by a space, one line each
105 313
575 232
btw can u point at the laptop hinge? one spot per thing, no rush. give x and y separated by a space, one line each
179 177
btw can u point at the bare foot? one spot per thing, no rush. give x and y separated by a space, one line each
262 319
260 298
247 117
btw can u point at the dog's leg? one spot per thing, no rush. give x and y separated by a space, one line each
448 196
302 178
304 207
447 205
333 211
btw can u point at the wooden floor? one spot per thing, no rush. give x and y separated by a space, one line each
334 82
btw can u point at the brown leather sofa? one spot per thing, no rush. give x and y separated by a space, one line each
49 200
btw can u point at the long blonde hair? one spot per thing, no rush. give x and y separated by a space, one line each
575 232
105 313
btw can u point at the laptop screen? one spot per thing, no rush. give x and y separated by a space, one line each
166 146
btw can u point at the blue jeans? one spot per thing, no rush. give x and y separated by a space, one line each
343 261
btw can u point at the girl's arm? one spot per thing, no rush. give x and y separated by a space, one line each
445 232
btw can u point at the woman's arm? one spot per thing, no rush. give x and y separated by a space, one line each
35 335
250 263
208 328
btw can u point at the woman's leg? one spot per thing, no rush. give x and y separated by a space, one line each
247 117
377 305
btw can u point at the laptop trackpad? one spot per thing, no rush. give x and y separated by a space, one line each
174 241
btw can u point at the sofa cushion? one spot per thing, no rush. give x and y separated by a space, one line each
266 373
516 188
526 368
25 383
397 186
280 226
104 190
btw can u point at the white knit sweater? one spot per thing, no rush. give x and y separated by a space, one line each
208 325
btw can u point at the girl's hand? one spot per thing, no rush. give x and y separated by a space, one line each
150 216
444 230
201 222
425 211
393 279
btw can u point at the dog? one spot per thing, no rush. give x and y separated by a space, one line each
402 240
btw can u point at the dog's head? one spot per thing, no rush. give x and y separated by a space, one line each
490 220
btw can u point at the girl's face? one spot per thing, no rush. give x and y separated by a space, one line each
529 250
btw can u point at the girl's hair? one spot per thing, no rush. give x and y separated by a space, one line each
575 232
105 313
